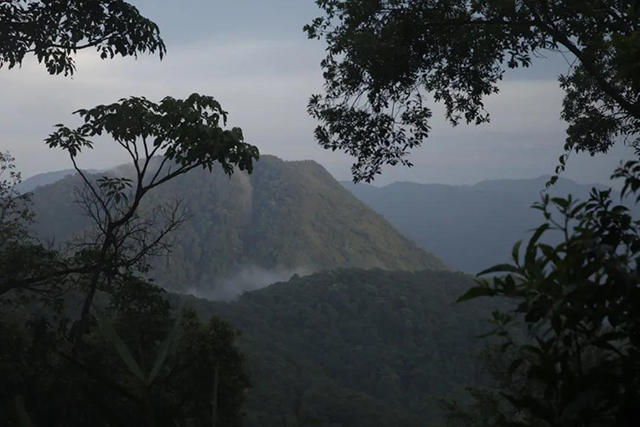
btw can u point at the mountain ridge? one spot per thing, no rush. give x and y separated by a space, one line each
46 178
470 227
480 184
286 215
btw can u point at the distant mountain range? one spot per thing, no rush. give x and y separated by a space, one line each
469 227
293 217
47 178
248 231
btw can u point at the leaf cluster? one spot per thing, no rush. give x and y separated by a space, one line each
579 300
389 60
188 132
54 30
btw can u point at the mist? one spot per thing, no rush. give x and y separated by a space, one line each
248 279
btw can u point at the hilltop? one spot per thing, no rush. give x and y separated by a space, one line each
285 218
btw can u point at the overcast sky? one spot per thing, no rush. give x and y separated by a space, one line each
254 58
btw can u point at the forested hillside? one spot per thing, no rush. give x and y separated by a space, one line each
469 227
356 348
46 178
285 217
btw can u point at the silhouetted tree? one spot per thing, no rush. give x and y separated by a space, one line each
184 135
580 302
54 30
21 257
387 59
79 374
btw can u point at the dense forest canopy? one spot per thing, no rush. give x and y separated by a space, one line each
357 347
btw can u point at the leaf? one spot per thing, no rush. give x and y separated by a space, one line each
563 203
515 365
504 347
531 247
489 334
164 350
24 420
515 252
476 292
549 252
530 404
118 388
500 268
577 208
531 350
121 346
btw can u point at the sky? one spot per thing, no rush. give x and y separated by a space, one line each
254 58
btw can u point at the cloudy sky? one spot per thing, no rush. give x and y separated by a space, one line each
254 58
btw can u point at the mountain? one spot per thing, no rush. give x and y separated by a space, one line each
47 178
284 218
469 227
356 348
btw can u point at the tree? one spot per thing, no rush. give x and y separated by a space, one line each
164 140
578 299
385 57
43 356
15 214
188 134
144 366
176 370
580 302
54 30
21 257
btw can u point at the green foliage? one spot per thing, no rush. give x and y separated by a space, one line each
21 257
139 370
485 411
114 189
187 132
15 212
138 367
580 302
356 347
142 366
55 30
386 60
121 347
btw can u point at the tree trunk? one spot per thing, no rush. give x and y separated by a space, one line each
214 397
